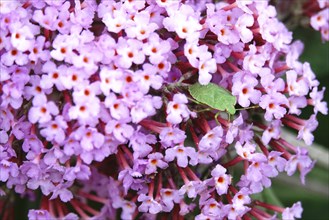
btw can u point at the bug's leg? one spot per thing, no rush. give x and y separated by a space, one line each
204 110
250 107
216 116
195 101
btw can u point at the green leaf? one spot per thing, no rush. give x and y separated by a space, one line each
270 197
213 96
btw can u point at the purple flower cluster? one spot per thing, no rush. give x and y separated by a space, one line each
95 108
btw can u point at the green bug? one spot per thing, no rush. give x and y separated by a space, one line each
214 96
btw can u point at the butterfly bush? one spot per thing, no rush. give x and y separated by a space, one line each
97 121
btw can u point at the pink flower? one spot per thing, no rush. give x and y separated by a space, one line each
63 48
90 141
63 24
273 131
46 18
140 28
148 204
177 110
184 22
42 110
54 130
85 92
106 45
120 130
12 92
139 139
181 153
115 21
37 51
245 151
320 20
118 107
89 138
272 104
244 21
191 188
128 209
154 161
85 112
275 160
38 214
145 107
32 146
244 5
295 103
206 65
244 88
35 89
212 208
111 80
241 198
296 86
156 48
235 213
221 180
87 59
83 15
8 170
192 52
14 56
317 101
129 51
253 61
22 38
305 132
293 212
53 77
171 136
211 141
148 78
168 198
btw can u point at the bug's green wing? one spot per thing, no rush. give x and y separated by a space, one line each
214 96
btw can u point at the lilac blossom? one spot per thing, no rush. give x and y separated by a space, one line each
244 88
42 110
168 198
177 110
272 104
171 136
39 214
316 99
212 140
154 161
320 20
54 130
293 212
272 132
8 169
222 180
212 208
300 160
306 130
148 204
181 153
